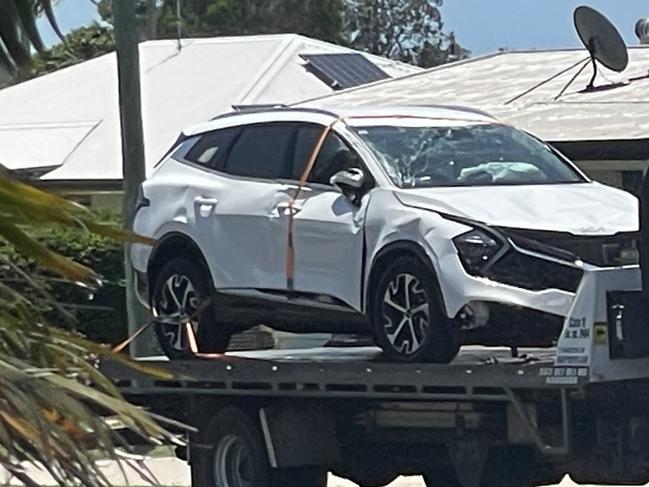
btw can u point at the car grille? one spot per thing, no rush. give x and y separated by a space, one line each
602 251
533 273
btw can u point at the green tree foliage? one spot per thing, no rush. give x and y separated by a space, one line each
99 314
410 31
321 19
79 45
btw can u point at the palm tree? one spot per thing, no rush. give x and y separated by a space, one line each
18 31
56 409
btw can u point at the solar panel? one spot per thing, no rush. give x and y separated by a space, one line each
341 71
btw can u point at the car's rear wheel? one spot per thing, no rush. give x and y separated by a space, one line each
407 318
183 294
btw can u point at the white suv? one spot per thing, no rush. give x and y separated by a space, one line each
426 227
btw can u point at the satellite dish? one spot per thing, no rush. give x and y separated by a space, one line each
602 39
642 30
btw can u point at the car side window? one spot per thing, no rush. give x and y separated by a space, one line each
335 155
261 151
211 148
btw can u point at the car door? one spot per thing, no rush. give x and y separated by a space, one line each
240 213
328 236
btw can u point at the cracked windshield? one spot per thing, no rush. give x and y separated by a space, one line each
466 155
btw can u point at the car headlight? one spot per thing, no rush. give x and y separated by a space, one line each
476 249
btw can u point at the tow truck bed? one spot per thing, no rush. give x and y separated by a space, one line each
487 419
348 372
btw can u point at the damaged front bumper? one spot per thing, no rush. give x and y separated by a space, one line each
520 288
502 277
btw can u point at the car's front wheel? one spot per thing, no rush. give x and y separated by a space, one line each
183 295
407 318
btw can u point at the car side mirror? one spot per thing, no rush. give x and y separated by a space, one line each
349 182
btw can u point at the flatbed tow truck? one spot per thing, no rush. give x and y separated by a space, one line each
491 418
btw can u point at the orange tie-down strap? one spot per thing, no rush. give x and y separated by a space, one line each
290 249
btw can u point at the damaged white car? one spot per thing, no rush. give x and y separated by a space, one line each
426 227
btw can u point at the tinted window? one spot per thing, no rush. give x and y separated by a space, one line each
262 151
211 147
334 155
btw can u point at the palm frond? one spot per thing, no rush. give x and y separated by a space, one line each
56 408
19 33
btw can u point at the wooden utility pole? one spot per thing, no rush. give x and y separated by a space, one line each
133 161
152 19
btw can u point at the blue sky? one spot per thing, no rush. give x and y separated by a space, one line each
69 14
485 25
480 25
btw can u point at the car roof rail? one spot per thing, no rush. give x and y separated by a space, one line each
257 107
244 109
459 108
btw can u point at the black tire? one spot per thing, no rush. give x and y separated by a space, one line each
174 276
437 342
233 435
232 447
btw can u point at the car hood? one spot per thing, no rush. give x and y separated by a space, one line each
580 209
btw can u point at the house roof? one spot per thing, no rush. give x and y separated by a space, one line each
535 79
69 120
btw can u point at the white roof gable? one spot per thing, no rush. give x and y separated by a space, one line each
491 82
70 119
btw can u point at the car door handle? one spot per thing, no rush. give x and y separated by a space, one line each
282 209
203 201
295 187
205 206
285 205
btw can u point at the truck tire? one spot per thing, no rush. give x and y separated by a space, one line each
234 454
181 289
407 317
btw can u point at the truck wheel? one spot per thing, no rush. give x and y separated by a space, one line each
407 319
181 292
236 456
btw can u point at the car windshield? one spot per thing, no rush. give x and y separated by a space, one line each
465 154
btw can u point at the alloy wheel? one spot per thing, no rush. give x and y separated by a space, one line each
176 306
232 464
406 314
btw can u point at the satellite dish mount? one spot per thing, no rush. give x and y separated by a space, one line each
603 41
591 50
